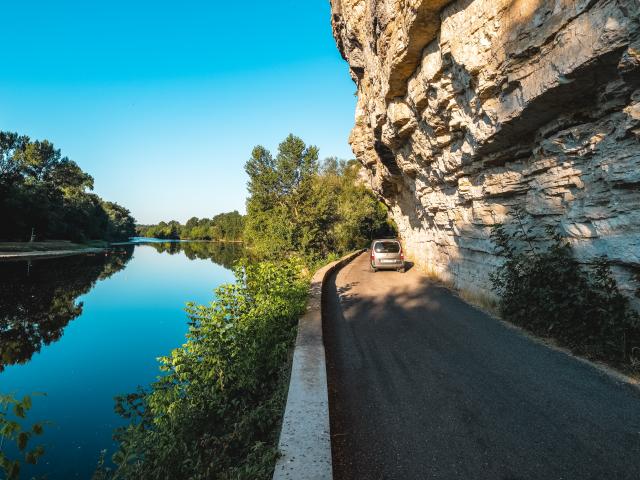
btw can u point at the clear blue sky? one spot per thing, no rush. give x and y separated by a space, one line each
163 101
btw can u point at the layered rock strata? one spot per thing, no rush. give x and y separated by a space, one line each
471 108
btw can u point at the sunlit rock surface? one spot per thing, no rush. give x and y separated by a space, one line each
469 108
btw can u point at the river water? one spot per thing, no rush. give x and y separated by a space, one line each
86 328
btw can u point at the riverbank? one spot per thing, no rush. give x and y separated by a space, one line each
53 248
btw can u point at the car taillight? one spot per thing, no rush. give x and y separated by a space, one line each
401 255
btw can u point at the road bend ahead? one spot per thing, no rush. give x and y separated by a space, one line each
424 386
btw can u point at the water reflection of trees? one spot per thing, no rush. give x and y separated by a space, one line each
225 254
38 298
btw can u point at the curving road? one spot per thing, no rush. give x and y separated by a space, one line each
424 386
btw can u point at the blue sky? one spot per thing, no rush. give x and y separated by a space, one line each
163 101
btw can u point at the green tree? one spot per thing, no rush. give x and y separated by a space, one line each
41 189
297 205
279 191
121 224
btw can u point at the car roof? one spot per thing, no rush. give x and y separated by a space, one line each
385 240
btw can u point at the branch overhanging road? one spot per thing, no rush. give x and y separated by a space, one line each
424 386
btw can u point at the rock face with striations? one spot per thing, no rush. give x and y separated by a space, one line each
468 109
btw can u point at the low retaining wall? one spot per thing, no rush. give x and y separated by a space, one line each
305 442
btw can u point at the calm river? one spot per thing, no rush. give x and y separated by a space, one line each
86 328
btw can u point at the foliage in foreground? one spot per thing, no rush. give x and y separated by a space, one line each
546 290
41 189
298 205
14 436
215 411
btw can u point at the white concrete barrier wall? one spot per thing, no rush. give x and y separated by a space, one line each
305 441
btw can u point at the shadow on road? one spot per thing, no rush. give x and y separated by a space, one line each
422 385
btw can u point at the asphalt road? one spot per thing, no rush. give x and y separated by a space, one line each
424 386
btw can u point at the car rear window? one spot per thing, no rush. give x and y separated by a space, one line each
387 247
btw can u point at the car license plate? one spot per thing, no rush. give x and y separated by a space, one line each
388 261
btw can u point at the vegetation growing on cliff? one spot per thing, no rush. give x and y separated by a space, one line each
226 227
546 291
298 205
41 189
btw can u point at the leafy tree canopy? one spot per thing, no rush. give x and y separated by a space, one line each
298 204
42 190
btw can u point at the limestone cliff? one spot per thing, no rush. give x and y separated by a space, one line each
469 108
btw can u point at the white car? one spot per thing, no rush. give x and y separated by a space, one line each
387 254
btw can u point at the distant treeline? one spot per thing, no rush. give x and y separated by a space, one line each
226 227
44 191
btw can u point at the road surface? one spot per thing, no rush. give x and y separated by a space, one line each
424 386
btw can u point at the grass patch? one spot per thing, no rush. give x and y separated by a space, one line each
479 299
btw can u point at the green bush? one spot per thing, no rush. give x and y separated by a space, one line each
215 411
546 290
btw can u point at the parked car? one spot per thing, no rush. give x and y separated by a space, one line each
387 254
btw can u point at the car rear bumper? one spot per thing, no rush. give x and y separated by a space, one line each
396 264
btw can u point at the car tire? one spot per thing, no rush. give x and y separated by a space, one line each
373 269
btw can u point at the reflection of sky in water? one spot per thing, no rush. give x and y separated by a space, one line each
128 321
